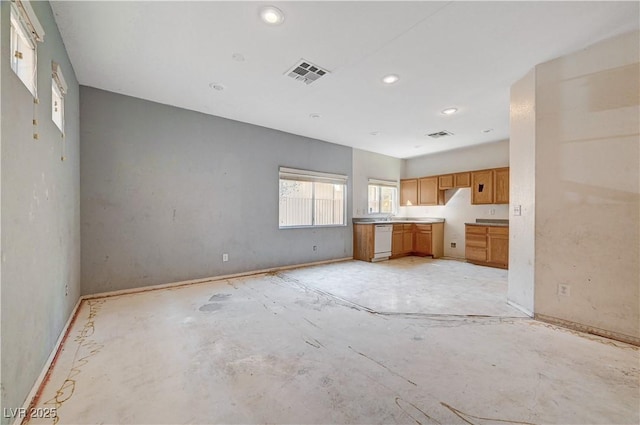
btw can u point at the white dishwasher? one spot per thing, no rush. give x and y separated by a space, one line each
382 242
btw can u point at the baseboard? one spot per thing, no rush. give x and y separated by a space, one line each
521 308
34 395
209 279
588 329
460 259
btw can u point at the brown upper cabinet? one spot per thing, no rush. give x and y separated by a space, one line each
408 192
501 186
487 187
482 187
445 182
462 179
428 191
490 186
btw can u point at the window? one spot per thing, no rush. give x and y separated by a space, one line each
383 196
309 198
25 32
58 90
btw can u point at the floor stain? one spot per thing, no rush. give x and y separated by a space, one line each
468 418
384 366
314 342
210 307
219 297
406 407
86 349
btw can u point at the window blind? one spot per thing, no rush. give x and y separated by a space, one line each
312 176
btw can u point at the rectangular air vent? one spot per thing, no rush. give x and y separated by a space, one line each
306 72
440 134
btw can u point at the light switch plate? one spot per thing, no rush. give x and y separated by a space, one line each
517 210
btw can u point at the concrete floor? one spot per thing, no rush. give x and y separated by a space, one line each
393 345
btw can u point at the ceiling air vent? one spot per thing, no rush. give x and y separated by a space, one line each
440 134
306 72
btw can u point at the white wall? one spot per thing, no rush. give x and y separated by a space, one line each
522 193
458 209
368 165
478 157
588 186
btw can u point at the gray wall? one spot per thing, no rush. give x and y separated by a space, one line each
40 214
167 191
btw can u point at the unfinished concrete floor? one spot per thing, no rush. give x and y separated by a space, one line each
393 345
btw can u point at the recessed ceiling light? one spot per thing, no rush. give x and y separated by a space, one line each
375 133
216 86
271 15
450 111
487 130
314 116
238 57
390 79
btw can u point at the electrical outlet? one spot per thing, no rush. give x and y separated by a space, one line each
66 289
564 290
453 244
517 210
493 211
225 257
315 247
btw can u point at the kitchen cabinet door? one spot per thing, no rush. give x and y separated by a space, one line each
423 243
409 192
462 179
498 246
428 191
363 242
407 241
501 185
397 245
445 182
482 187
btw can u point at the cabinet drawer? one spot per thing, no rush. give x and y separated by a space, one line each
398 227
423 227
407 227
479 230
476 254
479 241
494 230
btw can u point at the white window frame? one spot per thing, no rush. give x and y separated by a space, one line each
58 91
379 184
25 33
293 174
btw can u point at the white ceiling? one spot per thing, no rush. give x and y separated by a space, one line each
448 54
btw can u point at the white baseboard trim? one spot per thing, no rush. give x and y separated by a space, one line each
519 307
34 394
209 279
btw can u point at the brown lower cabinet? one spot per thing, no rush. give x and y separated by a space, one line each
406 239
487 245
401 240
418 239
